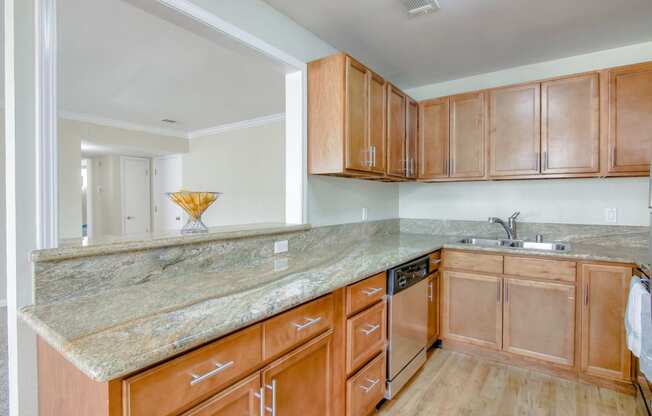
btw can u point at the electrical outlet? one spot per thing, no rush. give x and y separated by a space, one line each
280 246
611 215
364 214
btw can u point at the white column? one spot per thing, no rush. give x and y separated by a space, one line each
21 197
295 147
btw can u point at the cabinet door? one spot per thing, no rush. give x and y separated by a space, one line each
301 382
412 137
433 139
539 320
357 154
377 124
396 131
472 309
243 399
433 308
467 130
604 351
570 125
630 118
514 130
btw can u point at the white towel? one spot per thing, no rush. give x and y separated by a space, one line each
633 316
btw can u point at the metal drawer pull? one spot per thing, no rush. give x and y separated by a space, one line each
309 322
368 388
272 387
261 396
435 262
219 367
430 292
370 329
372 291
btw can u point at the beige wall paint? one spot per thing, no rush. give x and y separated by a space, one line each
107 196
70 215
248 166
580 201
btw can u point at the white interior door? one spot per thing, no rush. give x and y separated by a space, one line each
167 178
135 195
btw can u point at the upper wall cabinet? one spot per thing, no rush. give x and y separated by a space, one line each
630 119
346 118
467 131
412 137
433 139
514 131
570 125
396 132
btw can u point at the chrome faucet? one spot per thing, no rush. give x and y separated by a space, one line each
510 227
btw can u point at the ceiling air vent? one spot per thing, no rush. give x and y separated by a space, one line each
168 121
420 7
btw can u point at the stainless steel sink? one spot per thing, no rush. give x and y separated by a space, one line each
530 245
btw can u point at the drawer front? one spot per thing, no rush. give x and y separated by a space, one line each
296 326
366 334
184 381
366 389
435 261
475 262
240 399
541 268
365 293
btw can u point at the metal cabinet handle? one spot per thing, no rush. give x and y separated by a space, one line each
372 291
309 322
506 293
586 294
498 293
129 217
435 262
261 397
371 329
368 388
272 388
219 367
373 156
613 156
430 292
545 160
412 167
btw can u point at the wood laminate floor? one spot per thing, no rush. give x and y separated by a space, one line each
452 384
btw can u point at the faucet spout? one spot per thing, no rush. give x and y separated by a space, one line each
510 226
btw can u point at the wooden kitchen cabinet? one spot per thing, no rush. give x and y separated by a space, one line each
604 293
240 399
396 132
472 309
301 382
433 307
570 125
434 139
411 140
467 136
630 119
539 320
346 118
367 388
366 335
514 131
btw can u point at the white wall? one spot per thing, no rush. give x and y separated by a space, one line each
248 166
107 196
69 192
334 200
576 201
563 201
3 236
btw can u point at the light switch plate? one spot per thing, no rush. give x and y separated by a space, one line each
364 214
611 215
280 246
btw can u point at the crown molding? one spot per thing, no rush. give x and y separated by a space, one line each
258 121
86 118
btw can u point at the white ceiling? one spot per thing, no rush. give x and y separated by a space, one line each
468 37
120 62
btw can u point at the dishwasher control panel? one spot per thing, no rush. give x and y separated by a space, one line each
402 277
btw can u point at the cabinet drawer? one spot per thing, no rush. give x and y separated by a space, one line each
365 336
184 381
365 293
296 326
475 262
435 261
366 389
541 268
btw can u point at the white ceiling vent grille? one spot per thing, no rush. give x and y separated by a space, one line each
420 7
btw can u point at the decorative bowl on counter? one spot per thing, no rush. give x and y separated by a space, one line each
194 203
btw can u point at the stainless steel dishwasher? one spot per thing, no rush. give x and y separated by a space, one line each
407 289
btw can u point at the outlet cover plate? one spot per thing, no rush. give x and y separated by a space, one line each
280 246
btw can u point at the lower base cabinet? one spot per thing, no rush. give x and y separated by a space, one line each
243 399
301 382
539 320
367 388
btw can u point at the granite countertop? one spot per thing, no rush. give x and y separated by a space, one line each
118 332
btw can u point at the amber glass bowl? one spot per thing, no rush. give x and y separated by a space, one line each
194 203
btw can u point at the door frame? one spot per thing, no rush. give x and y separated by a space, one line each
123 159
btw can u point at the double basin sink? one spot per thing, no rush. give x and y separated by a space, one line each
530 245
